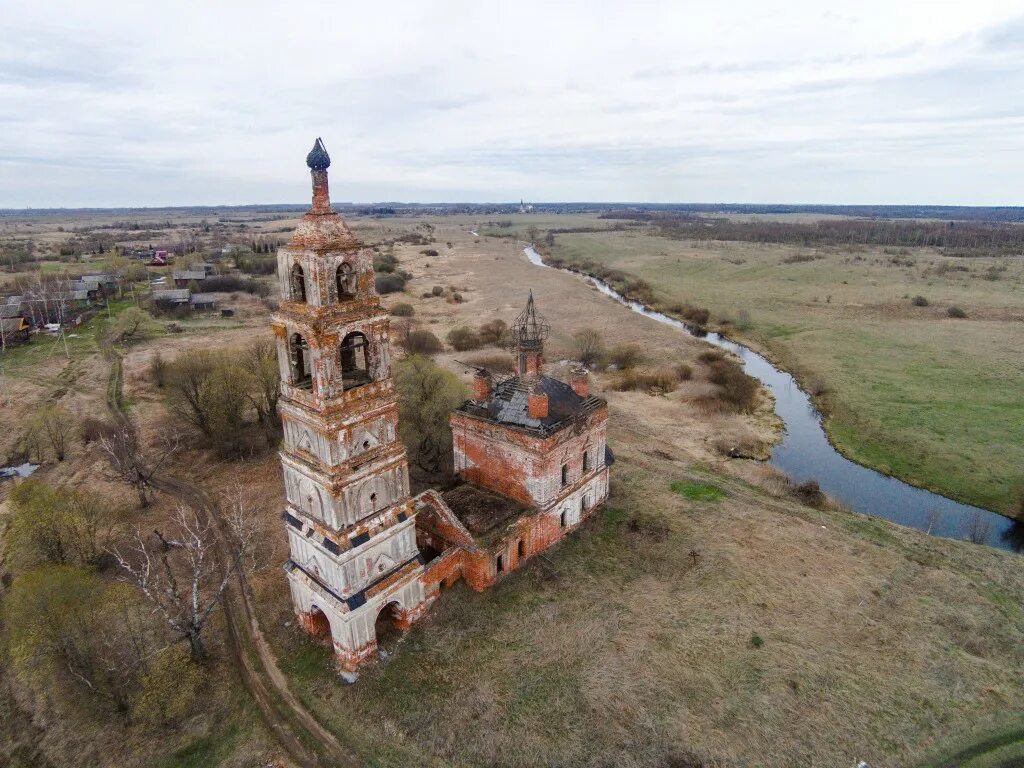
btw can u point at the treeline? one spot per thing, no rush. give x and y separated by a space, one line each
956 237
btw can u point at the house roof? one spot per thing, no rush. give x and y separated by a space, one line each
204 298
190 274
177 294
10 310
12 324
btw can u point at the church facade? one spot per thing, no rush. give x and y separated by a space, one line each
364 555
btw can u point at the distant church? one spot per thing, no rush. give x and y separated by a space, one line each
365 556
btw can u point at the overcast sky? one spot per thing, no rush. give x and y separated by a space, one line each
874 101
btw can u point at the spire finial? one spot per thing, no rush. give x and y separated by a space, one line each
318 159
529 329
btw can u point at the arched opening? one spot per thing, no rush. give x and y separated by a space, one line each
387 630
302 370
586 461
317 624
521 550
499 564
346 281
355 360
561 518
298 283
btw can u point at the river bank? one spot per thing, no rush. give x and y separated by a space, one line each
806 453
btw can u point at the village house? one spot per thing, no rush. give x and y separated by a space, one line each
366 557
183 277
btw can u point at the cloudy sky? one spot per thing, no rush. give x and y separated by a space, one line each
874 101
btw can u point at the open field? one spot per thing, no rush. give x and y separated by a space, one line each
721 623
929 398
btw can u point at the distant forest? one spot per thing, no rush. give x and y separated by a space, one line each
957 238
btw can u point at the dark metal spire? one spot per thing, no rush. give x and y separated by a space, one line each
529 329
318 159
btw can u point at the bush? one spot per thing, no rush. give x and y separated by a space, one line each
500 362
711 356
494 332
652 382
625 356
402 310
429 252
463 339
389 283
231 283
92 429
158 369
683 371
588 346
422 343
437 290
457 298
257 265
738 390
919 301
955 312
809 493
132 324
384 262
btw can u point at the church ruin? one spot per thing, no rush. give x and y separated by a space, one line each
365 555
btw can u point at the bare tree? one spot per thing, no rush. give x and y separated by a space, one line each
588 346
978 529
128 460
260 364
55 424
933 517
183 575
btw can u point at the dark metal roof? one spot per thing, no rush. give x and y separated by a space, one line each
509 403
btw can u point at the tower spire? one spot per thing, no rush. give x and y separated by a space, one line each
528 333
319 161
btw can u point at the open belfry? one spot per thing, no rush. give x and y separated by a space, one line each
365 556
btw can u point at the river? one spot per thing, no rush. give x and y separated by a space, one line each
805 452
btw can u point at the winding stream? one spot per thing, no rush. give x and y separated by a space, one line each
806 454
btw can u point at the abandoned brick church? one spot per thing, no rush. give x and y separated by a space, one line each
365 556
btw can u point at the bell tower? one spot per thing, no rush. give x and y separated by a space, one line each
349 517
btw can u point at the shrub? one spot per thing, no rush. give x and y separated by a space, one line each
809 493
158 369
437 290
652 382
457 298
500 362
229 283
92 429
737 388
402 310
384 262
683 371
494 332
588 346
463 339
429 252
919 301
257 265
389 283
422 343
955 311
756 641
711 356
625 355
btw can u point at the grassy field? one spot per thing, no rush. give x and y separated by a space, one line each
932 399
743 631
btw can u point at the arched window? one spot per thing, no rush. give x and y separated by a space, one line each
521 552
355 360
586 461
346 280
302 370
298 283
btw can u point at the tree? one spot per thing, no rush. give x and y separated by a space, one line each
128 459
55 424
494 332
182 575
588 346
66 628
260 365
463 339
168 689
132 324
59 526
427 394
